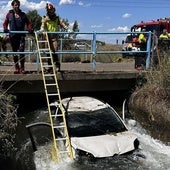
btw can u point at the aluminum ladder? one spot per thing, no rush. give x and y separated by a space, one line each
52 92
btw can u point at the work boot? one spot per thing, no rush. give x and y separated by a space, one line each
22 70
58 66
17 69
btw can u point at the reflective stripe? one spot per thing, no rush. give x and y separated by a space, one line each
163 36
52 26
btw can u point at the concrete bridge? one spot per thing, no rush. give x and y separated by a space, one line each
78 76
74 77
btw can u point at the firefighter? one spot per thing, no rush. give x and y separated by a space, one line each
52 23
165 34
140 59
164 41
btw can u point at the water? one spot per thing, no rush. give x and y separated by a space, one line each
153 154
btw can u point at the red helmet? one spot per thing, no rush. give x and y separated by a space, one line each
50 6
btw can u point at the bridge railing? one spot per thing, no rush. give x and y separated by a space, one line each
91 45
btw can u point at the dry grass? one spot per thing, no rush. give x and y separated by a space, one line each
8 124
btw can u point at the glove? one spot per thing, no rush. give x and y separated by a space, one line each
6 31
30 31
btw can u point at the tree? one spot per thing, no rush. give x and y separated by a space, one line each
75 29
35 19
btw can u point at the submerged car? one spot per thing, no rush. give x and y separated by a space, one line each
95 128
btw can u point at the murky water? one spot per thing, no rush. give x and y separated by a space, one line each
153 154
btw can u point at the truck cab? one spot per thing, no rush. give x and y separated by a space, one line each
155 26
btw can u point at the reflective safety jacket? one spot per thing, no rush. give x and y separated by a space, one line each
51 25
142 38
164 36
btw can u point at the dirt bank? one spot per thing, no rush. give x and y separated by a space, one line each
152 113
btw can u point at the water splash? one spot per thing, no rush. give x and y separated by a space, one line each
43 160
157 153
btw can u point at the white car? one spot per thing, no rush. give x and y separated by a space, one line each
96 129
80 46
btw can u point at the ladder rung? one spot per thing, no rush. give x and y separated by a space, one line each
48 66
63 152
42 41
44 50
60 139
49 74
54 94
61 126
45 57
56 115
51 84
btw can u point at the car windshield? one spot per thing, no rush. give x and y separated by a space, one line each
93 123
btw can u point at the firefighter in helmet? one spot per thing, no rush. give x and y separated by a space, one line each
52 23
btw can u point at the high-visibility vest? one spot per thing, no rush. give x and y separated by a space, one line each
142 38
164 36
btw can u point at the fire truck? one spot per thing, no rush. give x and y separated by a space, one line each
155 26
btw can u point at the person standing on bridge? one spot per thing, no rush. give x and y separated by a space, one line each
165 35
140 59
16 19
164 41
52 23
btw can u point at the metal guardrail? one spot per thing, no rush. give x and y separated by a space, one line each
93 50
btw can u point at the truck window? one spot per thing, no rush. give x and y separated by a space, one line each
128 39
161 28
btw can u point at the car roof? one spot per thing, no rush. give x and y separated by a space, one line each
83 103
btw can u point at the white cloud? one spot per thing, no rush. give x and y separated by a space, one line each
84 5
81 3
62 2
112 29
126 15
3 2
97 26
124 29
119 29
26 5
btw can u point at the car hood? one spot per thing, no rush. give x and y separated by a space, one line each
105 145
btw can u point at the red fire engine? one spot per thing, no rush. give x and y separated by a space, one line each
155 26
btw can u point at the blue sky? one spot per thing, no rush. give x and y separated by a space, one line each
98 15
